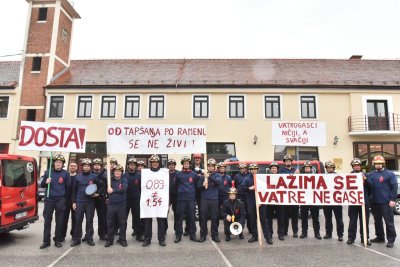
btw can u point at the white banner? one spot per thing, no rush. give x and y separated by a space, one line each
154 198
44 136
298 133
310 189
155 139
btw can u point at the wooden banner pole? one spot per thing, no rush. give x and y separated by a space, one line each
257 211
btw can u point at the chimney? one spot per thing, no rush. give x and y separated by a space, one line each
355 57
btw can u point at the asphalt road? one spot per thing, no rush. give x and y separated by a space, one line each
21 248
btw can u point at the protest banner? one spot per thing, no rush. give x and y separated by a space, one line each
155 139
154 197
298 133
42 136
310 189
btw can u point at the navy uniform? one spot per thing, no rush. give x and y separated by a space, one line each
232 210
173 202
198 168
133 178
248 187
68 208
185 183
148 222
84 204
355 212
209 202
224 186
116 207
101 199
337 210
241 194
278 210
383 192
313 209
290 211
55 201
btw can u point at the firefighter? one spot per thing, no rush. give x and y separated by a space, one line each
133 178
337 210
173 202
241 194
208 183
232 211
161 222
383 198
55 200
140 165
198 168
307 168
224 186
83 204
278 210
72 168
100 200
185 183
116 210
291 211
355 212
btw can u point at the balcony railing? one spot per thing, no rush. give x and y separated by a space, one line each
383 122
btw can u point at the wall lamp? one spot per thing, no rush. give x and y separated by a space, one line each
335 140
255 139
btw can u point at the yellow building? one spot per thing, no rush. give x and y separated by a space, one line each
238 100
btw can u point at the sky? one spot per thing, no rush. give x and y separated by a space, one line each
220 29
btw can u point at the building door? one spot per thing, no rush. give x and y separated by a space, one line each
378 117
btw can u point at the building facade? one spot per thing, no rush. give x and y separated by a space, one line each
236 99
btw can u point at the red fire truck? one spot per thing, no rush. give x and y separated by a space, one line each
18 192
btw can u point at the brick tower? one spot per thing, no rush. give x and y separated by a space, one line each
46 53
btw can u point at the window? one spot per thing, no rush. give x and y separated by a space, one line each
4 148
56 107
84 106
16 173
200 106
64 35
272 107
221 151
303 152
108 106
366 151
132 106
308 108
236 106
378 116
4 101
31 115
156 107
36 64
42 14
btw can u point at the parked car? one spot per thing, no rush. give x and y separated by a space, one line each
396 208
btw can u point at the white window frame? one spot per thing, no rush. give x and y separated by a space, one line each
316 106
140 107
101 106
77 107
280 106
208 107
164 107
244 106
389 100
49 106
8 108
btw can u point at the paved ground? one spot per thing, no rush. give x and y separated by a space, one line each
21 248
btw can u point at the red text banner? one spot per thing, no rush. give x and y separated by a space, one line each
310 189
42 136
155 139
298 133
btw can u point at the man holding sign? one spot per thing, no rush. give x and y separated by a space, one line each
154 200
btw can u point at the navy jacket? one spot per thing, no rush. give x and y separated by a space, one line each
185 184
224 186
118 196
248 182
236 208
284 170
172 184
82 180
239 178
211 193
60 185
383 186
134 184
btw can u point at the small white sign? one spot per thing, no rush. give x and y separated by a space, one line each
298 133
154 198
